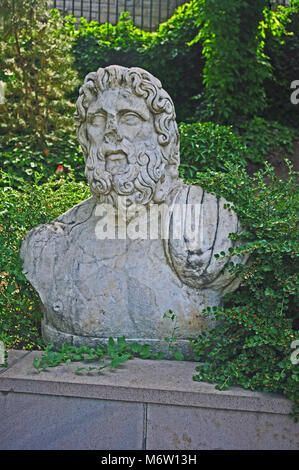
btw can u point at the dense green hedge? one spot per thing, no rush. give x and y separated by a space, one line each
208 146
251 344
20 210
241 83
235 66
283 52
251 57
165 53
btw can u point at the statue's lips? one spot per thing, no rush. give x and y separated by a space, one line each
115 155
116 162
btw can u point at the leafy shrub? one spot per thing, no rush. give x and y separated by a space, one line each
283 52
251 343
165 53
20 210
235 65
36 56
101 45
208 146
251 57
261 137
21 158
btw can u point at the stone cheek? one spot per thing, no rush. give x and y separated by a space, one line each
102 288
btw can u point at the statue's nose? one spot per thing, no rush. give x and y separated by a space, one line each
112 134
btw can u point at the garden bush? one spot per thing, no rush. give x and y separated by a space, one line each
164 53
37 63
21 158
20 210
208 145
261 137
235 65
283 52
251 56
251 342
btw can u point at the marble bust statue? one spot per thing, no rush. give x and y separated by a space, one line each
99 269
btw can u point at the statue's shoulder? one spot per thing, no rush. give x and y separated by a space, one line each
206 224
78 214
195 194
63 225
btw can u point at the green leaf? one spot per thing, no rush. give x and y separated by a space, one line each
145 350
179 356
36 363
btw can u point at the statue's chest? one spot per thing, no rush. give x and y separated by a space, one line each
97 288
92 266
103 286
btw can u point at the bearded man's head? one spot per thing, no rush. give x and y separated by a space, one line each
127 130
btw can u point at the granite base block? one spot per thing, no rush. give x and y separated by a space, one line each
151 405
43 422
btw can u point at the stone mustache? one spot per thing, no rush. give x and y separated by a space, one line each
99 269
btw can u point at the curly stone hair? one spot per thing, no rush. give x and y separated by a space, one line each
144 85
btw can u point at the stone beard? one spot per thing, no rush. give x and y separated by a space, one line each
132 172
93 289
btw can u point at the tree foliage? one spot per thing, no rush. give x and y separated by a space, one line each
37 64
235 66
165 53
251 344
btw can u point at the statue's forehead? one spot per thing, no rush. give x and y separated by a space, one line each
113 100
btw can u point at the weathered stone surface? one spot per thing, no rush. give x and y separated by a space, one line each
140 381
13 357
110 266
41 422
183 428
142 405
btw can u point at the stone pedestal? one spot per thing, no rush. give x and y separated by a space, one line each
143 405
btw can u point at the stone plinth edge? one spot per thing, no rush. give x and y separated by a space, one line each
141 381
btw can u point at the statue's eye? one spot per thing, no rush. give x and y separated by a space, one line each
130 118
96 118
